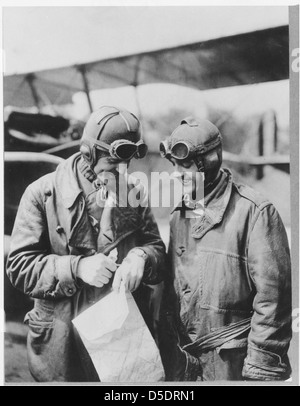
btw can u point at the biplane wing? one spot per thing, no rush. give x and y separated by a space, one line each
248 58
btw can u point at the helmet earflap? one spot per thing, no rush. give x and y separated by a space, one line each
88 154
212 162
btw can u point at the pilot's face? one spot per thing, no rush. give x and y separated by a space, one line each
188 174
108 171
108 164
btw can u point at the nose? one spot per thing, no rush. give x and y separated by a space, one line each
179 168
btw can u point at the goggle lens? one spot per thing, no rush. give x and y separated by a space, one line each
180 151
125 151
142 151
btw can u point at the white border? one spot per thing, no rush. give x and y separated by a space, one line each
157 3
2 318
66 3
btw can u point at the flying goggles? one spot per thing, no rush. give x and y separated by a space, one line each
123 150
185 150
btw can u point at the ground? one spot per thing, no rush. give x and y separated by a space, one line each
15 355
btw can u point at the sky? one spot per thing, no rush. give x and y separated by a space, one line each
36 38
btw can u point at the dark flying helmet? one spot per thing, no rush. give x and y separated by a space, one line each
197 140
113 131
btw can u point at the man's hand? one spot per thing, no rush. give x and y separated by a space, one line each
96 270
130 272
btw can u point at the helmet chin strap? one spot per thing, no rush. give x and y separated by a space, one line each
200 167
199 164
87 170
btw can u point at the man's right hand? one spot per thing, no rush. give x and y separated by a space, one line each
96 270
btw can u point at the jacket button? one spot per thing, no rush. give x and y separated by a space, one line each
180 251
70 291
59 229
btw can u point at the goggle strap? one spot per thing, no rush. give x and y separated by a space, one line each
204 149
100 144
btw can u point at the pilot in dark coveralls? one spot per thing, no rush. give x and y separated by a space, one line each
61 240
226 312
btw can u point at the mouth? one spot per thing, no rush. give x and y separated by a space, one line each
186 181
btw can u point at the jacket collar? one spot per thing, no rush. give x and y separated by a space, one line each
66 180
216 202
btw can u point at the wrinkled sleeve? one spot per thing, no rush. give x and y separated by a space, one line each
152 244
31 267
270 269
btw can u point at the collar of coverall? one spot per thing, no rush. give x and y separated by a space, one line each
66 181
216 200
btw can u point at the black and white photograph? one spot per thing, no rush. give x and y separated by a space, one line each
150 183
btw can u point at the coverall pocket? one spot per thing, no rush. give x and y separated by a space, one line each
224 283
38 326
40 335
42 315
40 343
40 329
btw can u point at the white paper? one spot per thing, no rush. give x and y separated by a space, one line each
102 318
126 354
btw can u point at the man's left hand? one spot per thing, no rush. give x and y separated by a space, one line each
130 272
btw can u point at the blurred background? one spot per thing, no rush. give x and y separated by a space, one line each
227 64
